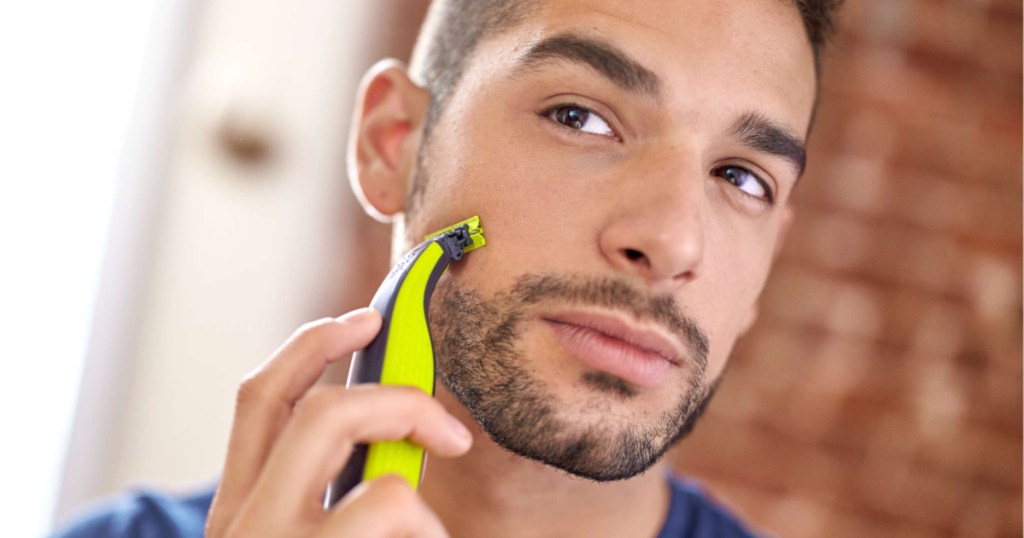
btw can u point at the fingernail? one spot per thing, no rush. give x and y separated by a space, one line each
356 314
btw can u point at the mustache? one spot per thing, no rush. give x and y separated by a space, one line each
620 295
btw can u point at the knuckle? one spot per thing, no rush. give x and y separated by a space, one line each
257 386
318 401
251 391
314 331
325 407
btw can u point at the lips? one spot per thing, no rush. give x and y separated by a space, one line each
642 356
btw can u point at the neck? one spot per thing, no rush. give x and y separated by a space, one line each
492 492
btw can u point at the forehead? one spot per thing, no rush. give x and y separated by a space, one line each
754 53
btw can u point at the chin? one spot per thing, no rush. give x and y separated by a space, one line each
543 404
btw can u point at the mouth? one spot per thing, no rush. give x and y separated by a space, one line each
643 356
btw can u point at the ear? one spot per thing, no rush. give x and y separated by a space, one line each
786 222
386 128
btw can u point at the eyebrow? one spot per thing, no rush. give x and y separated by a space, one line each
604 58
753 129
762 134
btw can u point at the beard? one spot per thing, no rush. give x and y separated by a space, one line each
477 347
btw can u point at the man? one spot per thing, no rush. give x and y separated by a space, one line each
632 163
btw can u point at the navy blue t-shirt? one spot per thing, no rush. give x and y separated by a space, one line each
149 514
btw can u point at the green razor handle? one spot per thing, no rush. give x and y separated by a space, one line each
402 353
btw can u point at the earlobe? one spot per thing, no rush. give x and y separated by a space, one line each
385 136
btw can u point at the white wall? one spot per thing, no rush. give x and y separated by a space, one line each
70 83
244 245
244 255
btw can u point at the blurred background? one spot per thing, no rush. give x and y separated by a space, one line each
174 204
880 392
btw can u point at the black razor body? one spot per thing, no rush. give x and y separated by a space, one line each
368 364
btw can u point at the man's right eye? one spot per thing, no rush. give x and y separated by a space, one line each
580 119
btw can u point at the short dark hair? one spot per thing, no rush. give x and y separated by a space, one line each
454 28
820 23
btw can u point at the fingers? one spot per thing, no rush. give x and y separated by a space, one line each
371 510
319 439
289 440
266 399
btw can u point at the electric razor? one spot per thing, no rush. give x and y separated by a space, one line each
402 353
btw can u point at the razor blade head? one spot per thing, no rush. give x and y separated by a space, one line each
469 234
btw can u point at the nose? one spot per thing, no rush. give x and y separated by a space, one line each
658 233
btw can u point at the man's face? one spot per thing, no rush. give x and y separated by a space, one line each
632 164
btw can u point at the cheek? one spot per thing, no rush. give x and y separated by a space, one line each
734 276
532 219
536 193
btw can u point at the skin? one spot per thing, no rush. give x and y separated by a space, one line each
646 203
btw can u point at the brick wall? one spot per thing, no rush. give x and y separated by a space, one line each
880 392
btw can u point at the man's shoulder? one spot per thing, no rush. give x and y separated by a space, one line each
143 514
693 514
147 513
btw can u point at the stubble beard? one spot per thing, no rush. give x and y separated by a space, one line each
477 347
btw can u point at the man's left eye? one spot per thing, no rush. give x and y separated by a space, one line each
746 181
580 119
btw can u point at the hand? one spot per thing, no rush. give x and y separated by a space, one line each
289 439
